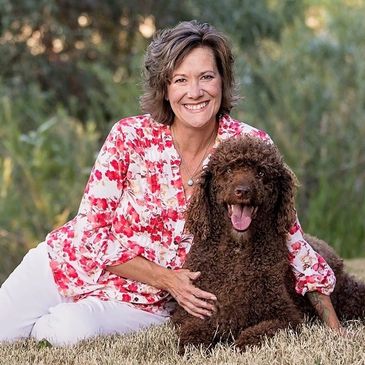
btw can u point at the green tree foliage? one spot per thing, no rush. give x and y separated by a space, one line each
74 50
42 172
249 21
308 92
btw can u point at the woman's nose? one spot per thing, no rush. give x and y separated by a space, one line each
195 91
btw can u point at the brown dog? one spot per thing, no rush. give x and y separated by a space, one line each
240 215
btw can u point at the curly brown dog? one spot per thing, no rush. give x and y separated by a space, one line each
240 215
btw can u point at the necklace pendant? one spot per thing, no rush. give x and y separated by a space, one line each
190 182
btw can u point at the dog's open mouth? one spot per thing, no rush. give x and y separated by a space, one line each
241 216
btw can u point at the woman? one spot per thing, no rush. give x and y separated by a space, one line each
116 267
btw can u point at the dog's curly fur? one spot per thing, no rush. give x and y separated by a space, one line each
247 268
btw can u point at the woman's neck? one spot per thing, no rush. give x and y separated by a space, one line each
192 141
193 146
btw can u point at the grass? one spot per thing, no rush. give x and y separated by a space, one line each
314 345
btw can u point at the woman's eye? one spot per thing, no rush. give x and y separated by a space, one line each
177 81
207 77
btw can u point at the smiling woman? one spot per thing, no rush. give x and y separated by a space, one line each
195 95
117 266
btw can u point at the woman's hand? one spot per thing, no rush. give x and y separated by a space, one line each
195 301
179 283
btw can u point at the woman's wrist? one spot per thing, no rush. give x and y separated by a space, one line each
160 278
323 305
144 271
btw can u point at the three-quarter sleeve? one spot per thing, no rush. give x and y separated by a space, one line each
311 271
82 248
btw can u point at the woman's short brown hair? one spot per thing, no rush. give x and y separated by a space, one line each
167 50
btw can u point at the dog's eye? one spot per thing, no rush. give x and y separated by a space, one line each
260 174
228 170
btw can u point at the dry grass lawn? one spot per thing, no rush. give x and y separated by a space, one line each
314 345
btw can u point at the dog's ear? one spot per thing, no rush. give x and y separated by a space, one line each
200 212
286 214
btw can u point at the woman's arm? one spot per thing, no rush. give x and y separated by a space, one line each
314 277
323 305
87 242
179 283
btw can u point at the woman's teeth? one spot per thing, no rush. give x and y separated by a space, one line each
196 106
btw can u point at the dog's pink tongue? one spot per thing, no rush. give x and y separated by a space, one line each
241 217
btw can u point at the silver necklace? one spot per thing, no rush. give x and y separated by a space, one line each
190 182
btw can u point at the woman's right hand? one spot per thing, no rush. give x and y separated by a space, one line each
195 301
179 283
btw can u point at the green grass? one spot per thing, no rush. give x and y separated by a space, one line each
313 345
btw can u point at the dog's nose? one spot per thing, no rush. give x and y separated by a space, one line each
241 190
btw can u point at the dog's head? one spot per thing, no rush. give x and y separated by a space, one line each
246 186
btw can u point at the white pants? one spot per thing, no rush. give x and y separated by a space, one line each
31 306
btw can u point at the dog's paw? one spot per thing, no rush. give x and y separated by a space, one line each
243 343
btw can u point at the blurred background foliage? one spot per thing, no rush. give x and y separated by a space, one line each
69 70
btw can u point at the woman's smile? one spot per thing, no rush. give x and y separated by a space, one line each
195 90
196 107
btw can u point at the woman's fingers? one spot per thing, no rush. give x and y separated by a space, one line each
195 311
195 301
203 294
197 305
193 275
198 292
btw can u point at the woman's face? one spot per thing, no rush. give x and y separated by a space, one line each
195 91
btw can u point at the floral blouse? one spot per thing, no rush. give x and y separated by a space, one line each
134 205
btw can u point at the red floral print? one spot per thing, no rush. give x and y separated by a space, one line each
134 205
